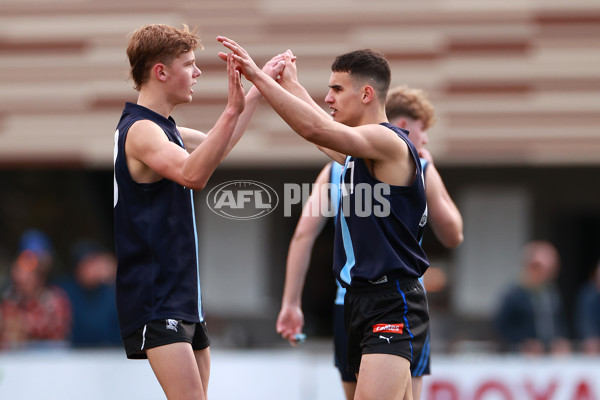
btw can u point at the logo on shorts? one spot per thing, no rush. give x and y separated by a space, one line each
388 328
172 324
383 279
386 338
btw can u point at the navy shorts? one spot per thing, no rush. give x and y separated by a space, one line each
388 318
165 331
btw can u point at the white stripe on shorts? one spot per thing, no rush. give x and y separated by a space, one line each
143 338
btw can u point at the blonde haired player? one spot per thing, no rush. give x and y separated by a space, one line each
157 166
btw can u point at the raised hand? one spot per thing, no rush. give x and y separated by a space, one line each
290 72
236 97
274 67
244 62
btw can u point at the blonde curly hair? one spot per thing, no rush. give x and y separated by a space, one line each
403 101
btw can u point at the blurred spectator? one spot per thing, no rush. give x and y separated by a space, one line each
588 314
92 293
33 313
531 316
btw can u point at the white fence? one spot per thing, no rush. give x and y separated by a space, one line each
290 374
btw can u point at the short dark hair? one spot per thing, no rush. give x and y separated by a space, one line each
366 65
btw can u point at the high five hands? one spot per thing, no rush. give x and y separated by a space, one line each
246 65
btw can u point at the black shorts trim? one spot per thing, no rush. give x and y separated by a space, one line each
165 331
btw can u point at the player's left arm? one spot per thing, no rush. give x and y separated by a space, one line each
443 215
291 319
193 138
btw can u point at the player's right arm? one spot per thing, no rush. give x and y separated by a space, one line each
151 156
289 81
291 319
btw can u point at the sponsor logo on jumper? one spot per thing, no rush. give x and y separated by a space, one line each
388 328
383 279
386 338
172 324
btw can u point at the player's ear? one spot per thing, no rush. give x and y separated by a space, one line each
159 72
368 94
401 123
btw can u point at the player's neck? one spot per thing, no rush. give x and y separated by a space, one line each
373 115
154 101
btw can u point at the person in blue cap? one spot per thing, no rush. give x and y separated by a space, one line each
32 312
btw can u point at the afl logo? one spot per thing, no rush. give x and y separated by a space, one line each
242 199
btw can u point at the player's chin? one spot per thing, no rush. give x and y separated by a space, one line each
189 95
337 118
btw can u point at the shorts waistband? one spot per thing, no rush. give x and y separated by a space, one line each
386 282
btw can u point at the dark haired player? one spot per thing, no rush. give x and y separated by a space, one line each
377 257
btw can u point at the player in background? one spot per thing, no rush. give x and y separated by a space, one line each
158 165
406 108
409 108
